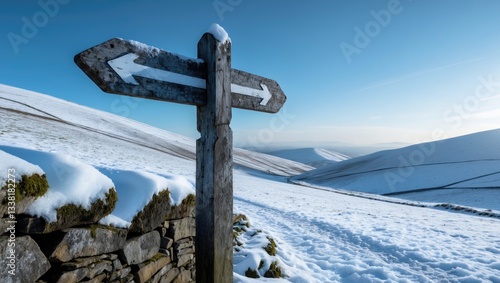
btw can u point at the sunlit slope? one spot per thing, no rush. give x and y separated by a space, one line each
471 161
315 157
39 121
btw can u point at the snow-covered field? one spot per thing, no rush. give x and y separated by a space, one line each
323 235
463 170
330 237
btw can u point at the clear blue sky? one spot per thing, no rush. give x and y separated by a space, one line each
357 72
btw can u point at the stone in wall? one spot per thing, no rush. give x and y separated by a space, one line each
184 251
184 277
4 224
30 263
144 271
74 276
85 242
97 253
141 248
181 228
170 275
160 275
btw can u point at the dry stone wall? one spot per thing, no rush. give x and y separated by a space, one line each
97 253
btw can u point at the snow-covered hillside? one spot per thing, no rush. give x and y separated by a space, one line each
321 235
40 121
466 162
471 161
315 157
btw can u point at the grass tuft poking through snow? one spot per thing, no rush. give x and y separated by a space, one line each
254 251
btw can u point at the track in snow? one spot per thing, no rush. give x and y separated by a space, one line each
365 240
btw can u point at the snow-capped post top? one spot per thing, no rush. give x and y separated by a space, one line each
219 33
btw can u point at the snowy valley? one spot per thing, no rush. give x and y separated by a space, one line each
423 213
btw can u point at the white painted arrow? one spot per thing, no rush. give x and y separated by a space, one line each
264 93
126 68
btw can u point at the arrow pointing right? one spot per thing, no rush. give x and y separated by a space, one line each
264 93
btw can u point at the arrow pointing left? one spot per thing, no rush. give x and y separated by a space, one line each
126 68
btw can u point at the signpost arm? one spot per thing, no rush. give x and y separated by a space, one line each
214 169
130 68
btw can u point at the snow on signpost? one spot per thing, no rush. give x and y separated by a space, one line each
135 69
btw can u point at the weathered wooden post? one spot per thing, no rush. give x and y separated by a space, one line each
214 167
134 69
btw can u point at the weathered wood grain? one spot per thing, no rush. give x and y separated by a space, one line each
214 168
94 63
253 103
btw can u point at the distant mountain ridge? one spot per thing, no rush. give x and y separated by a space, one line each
315 157
470 161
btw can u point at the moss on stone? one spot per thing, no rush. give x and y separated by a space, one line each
70 214
156 201
274 271
184 209
112 198
241 219
190 200
93 232
240 223
94 227
29 186
252 273
261 264
156 257
271 247
153 214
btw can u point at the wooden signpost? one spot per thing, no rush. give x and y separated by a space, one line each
134 69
